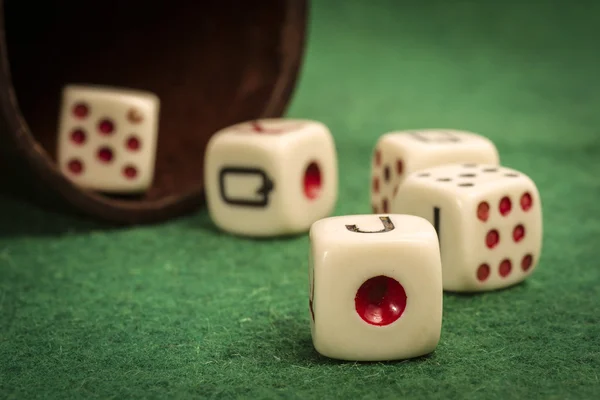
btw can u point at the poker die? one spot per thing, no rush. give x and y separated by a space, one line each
488 219
270 177
375 287
107 138
398 154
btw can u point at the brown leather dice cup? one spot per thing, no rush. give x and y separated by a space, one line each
212 63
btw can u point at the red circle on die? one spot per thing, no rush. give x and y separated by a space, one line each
518 233
399 167
526 201
483 272
377 158
78 136
483 211
75 166
81 110
312 181
130 172
505 205
505 268
385 206
106 127
527 262
105 154
375 184
386 173
380 301
133 143
492 238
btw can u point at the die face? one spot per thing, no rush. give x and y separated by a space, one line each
449 140
268 127
376 296
270 177
309 176
489 222
388 169
398 154
107 138
242 175
506 231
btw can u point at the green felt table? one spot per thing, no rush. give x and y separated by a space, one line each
182 310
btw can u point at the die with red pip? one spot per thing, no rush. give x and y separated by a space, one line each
107 138
488 219
375 287
270 177
399 153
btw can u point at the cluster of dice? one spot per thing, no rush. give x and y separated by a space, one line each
446 215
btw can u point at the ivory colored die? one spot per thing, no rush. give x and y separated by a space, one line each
488 218
107 138
270 177
398 154
375 288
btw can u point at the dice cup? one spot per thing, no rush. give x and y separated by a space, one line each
212 63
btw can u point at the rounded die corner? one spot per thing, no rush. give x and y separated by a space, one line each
315 229
313 123
319 236
395 139
153 100
68 89
211 146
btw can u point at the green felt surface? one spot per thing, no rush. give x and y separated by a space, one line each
180 310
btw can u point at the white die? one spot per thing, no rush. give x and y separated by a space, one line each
488 218
398 154
107 138
375 287
270 177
